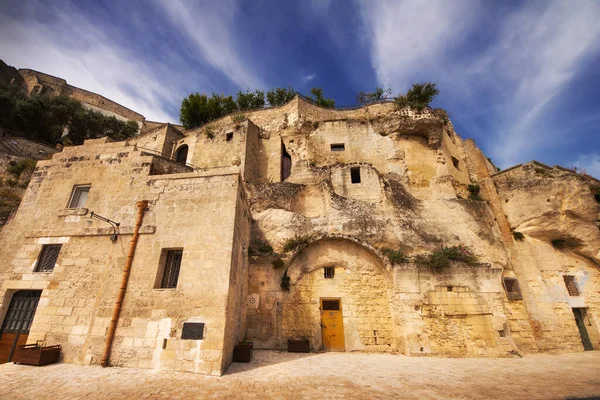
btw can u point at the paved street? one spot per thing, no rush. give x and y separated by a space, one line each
277 375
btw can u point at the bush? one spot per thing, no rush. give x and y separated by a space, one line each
440 259
418 97
474 192
295 242
518 235
238 118
320 100
395 256
278 263
379 94
15 168
250 100
261 247
285 281
209 132
280 96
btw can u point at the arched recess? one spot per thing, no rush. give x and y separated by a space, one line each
361 282
181 154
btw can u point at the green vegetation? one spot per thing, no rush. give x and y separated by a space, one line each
518 235
379 94
395 256
238 118
15 168
261 247
285 281
441 259
418 97
295 242
46 118
210 133
320 100
474 192
280 96
278 263
250 100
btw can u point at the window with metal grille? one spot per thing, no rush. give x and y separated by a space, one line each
79 196
338 147
331 305
513 292
329 272
571 284
47 258
355 174
170 270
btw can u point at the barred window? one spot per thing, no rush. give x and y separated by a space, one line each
571 285
329 272
513 292
79 196
47 258
170 269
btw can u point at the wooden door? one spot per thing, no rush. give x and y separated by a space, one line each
580 320
17 322
332 325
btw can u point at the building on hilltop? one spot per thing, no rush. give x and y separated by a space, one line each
371 229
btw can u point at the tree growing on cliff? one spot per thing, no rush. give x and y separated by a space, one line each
418 97
250 100
47 118
320 100
380 93
198 109
280 96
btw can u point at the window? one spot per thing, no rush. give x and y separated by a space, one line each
455 162
79 196
355 174
228 136
47 258
169 273
513 292
338 147
571 284
330 305
329 272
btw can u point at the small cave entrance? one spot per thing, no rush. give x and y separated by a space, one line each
286 163
181 154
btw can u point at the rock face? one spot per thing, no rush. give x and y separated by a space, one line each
373 229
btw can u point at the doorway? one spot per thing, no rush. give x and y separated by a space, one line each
580 318
332 325
17 322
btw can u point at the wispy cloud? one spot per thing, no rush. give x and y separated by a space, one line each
308 78
508 84
210 26
590 163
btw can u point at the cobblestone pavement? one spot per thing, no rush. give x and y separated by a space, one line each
277 375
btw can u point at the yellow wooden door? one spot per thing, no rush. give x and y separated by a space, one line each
332 325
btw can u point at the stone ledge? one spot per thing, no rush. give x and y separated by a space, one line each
72 211
125 230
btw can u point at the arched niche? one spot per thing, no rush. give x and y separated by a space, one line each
181 154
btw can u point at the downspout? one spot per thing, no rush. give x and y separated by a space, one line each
141 207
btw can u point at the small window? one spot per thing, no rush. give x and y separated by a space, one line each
338 147
329 272
170 268
571 284
355 174
79 196
47 258
511 285
331 305
455 162
228 136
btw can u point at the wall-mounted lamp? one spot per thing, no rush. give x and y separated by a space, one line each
114 224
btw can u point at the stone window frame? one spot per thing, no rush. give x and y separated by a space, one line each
512 289
47 258
571 285
75 199
167 276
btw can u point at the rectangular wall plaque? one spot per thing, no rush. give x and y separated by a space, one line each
193 330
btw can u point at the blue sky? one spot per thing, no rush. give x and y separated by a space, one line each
520 77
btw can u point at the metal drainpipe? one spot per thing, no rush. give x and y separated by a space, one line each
141 207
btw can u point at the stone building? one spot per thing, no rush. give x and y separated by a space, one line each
286 223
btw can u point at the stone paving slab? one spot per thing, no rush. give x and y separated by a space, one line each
278 375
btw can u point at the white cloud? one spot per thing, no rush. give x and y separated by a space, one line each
211 28
532 56
308 78
590 163
75 50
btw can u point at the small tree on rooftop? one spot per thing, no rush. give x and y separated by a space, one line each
320 100
380 93
250 100
418 97
280 96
